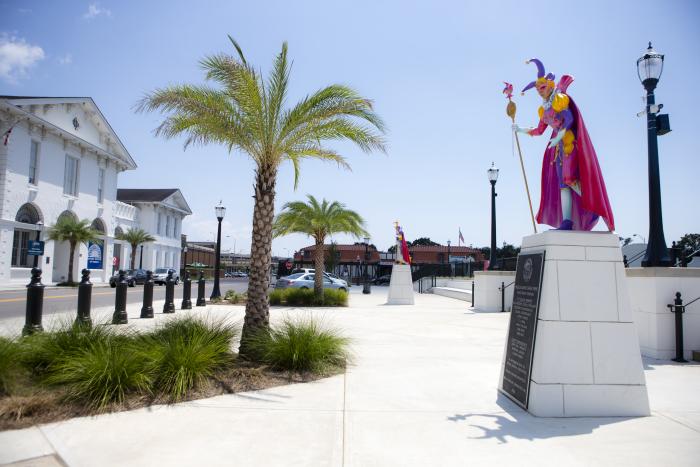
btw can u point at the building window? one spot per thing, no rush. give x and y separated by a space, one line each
33 162
70 176
158 224
20 244
167 226
157 259
100 185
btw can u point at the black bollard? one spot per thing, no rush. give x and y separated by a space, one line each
147 308
186 292
200 290
119 316
84 300
503 297
678 309
169 306
472 294
35 304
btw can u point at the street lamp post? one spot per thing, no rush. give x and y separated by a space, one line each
449 243
493 177
649 68
141 258
220 212
366 289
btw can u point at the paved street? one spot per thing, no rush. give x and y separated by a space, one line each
56 300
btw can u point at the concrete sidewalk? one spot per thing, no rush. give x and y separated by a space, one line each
422 391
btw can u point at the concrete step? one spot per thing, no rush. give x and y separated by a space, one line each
452 292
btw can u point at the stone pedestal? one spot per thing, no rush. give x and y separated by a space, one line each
487 290
586 359
401 285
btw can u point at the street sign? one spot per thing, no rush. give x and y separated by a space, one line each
35 247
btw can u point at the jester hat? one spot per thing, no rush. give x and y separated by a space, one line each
541 77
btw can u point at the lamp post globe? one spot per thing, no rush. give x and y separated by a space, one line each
220 211
366 288
492 173
649 68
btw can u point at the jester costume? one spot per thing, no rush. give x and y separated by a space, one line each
573 194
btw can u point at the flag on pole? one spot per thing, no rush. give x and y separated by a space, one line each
461 238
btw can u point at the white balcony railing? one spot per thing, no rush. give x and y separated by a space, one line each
124 211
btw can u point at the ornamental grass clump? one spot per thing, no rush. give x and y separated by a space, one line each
10 365
185 353
102 372
302 345
42 350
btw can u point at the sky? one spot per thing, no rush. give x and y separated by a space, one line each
435 72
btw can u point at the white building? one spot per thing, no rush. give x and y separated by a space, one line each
158 212
60 157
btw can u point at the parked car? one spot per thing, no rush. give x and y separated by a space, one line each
306 281
328 275
133 277
161 274
381 280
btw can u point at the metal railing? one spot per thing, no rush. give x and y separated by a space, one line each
678 308
503 288
426 283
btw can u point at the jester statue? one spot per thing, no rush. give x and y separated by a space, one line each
402 254
573 194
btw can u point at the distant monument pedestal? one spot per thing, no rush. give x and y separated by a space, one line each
401 285
572 347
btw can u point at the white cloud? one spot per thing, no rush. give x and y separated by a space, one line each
17 57
94 10
67 59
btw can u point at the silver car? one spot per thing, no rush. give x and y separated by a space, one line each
306 281
327 275
161 274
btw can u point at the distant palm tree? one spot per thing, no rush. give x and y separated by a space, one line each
135 237
73 231
249 114
318 220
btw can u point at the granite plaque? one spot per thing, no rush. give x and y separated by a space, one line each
520 345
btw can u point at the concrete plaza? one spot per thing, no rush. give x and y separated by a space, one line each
421 392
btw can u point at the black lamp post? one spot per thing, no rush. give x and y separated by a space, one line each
141 258
449 243
493 176
649 68
220 212
366 289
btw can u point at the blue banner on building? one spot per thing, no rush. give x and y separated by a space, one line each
94 259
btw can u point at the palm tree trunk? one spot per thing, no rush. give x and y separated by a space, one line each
71 256
318 269
257 309
133 255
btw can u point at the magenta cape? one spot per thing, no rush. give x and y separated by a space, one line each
581 165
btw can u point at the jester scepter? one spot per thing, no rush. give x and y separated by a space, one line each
510 110
573 194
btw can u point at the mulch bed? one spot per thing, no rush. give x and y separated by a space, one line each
50 405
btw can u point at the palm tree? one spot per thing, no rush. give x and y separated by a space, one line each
249 114
318 220
73 231
135 237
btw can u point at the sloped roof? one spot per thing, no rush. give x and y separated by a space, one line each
153 195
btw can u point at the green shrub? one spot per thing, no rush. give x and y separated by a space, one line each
10 365
301 345
102 371
307 297
186 352
234 297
